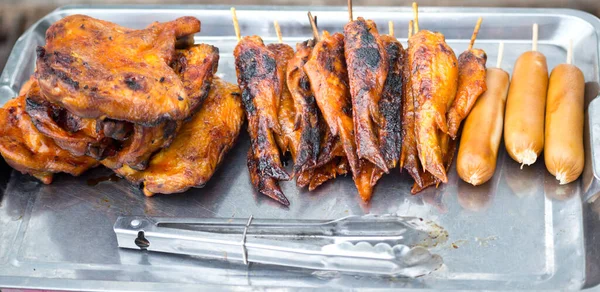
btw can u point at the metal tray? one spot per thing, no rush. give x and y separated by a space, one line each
519 231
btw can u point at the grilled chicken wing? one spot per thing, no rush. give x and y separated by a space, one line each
261 87
448 147
313 178
390 104
471 84
29 151
74 134
97 69
409 155
434 78
367 63
326 71
306 120
199 148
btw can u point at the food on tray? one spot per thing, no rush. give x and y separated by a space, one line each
482 132
104 94
434 80
29 151
199 147
471 83
525 106
563 148
367 66
97 69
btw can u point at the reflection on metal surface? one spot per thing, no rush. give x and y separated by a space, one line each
539 244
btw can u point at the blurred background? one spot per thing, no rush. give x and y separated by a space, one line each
17 15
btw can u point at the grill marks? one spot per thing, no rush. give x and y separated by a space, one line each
262 84
367 72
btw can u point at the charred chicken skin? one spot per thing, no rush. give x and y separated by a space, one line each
29 151
200 146
390 104
326 71
306 120
433 80
471 84
97 69
367 63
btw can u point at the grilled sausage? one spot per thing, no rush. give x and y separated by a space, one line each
482 131
524 122
563 151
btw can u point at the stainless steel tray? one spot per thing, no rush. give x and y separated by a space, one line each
519 231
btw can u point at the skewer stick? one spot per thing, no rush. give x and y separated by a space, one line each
313 24
570 52
278 31
350 18
500 55
391 28
475 32
534 41
415 7
410 28
236 25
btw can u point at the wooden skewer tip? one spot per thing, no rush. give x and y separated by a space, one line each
313 24
278 31
236 25
415 7
500 55
534 40
350 18
391 28
475 32
410 28
570 52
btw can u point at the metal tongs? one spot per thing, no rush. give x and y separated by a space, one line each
383 245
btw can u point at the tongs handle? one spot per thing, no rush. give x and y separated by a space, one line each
345 245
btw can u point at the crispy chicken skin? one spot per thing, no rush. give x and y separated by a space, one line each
261 86
144 141
326 71
306 120
434 78
448 146
409 154
367 63
29 151
199 148
74 134
390 104
196 66
471 84
313 178
97 69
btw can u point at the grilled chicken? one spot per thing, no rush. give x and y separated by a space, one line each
367 63
433 80
390 104
448 146
262 84
29 151
72 133
97 69
199 148
306 120
326 71
330 170
471 84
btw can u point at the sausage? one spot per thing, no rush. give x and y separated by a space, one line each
482 131
525 106
563 151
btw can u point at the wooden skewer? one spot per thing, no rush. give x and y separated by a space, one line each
475 32
313 24
570 52
534 42
350 18
500 54
391 28
415 7
278 31
410 28
236 25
